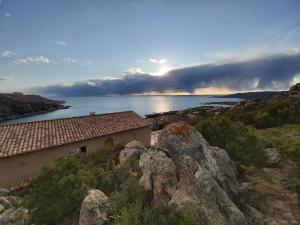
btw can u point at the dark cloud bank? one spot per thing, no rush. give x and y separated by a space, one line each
274 72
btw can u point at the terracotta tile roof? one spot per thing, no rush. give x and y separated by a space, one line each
22 138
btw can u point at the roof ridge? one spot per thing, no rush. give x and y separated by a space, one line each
72 117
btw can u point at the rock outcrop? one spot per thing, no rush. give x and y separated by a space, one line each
294 91
132 150
11 210
159 176
94 208
273 156
186 172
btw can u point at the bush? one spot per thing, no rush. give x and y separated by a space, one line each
166 216
54 196
287 140
266 114
128 193
102 157
131 206
238 140
136 214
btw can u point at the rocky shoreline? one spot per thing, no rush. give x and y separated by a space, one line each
158 120
17 105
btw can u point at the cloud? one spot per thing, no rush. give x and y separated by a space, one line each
6 79
8 54
295 80
134 70
267 73
157 61
7 14
162 71
32 60
87 63
69 60
61 43
82 63
252 53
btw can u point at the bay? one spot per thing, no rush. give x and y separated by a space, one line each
140 104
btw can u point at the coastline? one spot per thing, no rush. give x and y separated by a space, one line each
142 106
20 116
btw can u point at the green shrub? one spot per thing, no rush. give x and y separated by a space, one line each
131 215
128 193
286 139
266 114
131 206
166 216
238 140
54 196
103 156
136 214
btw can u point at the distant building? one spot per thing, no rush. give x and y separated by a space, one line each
26 147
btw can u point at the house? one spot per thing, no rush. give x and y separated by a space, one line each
26 147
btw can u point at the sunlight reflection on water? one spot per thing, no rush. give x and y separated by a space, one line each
140 104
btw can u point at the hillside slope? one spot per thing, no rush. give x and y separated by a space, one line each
254 95
16 105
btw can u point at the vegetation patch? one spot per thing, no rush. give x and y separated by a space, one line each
55 195
240 141
287 140
274 112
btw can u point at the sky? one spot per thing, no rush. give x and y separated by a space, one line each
67 46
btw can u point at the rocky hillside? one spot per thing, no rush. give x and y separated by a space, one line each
16 105
223 169
181 180
275 111
253 95
271 109
186 172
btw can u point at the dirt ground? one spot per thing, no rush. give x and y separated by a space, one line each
270 195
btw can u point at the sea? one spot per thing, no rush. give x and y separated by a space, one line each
140 104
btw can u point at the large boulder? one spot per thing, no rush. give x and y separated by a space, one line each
136 145
186 172
11 210
132 150
94 208
4 192
159 176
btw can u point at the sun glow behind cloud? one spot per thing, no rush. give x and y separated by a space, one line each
162 71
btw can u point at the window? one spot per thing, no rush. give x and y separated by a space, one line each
83 149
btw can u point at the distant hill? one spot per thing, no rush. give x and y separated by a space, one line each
282 108
16 105
260 95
